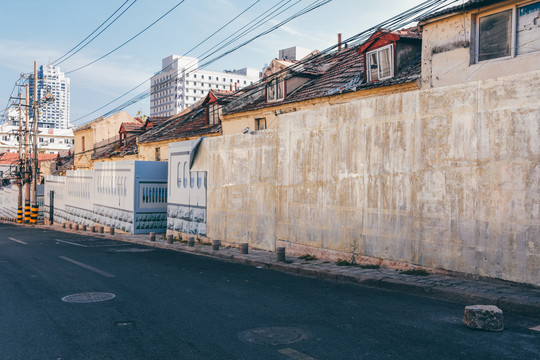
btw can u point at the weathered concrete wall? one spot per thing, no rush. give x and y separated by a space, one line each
241 193
448 54
447 178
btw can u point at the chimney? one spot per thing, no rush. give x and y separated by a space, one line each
339 42
230 87
235 86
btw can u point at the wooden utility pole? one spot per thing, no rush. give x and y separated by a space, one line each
20 167
35 103
26 161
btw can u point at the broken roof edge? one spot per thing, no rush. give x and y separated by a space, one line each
455 10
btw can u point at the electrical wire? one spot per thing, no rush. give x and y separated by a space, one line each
170 66
129 40
392 24
146 93
58 62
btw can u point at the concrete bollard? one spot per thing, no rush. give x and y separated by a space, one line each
111 231
170 239
280 254
191 241
152 236
244 248
215 244
101 229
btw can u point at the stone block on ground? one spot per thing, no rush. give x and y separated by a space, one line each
484 317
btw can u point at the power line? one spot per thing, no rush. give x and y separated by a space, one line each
176 60
129 40
56 63
395 22
146 93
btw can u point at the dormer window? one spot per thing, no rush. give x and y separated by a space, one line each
380 63
275 90
213 112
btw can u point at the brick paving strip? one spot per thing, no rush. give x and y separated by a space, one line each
508 296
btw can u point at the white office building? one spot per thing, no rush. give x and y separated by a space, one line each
181 83
54 114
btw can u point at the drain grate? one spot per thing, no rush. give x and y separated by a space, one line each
88 297
273 335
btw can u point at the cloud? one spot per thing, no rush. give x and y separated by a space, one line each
117 72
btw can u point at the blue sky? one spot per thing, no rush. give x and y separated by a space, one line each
43 31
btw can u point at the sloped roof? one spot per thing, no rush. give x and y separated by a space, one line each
339 72
188 124
119 115
469 5
178 127
132 127
12 158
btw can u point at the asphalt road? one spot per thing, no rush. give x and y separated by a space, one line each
171 305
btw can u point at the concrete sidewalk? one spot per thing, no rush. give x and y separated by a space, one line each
508 296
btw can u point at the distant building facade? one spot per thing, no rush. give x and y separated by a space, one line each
54 114
181 83
50 141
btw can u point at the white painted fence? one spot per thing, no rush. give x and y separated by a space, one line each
186 210
128 195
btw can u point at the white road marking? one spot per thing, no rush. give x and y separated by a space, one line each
19 241
111 245
295 355
536 328
88 267
71 243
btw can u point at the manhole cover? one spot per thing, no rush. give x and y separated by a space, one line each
273 335
88 297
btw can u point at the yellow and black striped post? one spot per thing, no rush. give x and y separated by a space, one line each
35 210
27 213
19 215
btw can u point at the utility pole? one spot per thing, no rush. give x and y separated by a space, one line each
26 162
35 206
20 167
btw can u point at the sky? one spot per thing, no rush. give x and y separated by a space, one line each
34 30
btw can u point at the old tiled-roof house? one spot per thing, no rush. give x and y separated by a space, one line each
201 119
96 135
435 165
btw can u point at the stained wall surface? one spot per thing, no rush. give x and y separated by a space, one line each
447 177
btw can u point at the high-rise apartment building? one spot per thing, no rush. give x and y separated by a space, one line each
181 83
52 114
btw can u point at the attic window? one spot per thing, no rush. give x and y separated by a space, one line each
380 63
213 114
275 90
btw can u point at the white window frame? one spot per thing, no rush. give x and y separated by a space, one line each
275 84
377 51
513 27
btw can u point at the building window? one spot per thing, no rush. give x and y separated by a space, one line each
508 32
179 175
158 154
260 124
185 174
380 63
214 112
275 90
